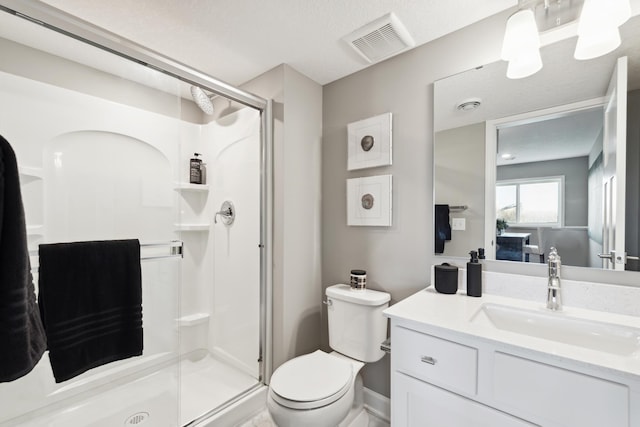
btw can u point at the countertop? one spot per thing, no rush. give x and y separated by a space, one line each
455 313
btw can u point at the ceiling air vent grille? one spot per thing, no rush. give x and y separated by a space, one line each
380 39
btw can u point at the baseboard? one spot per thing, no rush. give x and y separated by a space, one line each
377 404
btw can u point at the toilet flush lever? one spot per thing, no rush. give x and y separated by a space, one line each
327 302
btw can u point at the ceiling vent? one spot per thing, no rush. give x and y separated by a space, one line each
380 39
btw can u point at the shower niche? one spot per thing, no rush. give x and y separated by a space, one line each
96 186
193 199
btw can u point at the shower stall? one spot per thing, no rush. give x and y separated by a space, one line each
103 132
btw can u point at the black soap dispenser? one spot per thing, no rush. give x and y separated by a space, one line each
474 276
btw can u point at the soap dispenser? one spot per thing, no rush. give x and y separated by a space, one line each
474 276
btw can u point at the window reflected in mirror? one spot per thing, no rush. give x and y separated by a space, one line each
530 202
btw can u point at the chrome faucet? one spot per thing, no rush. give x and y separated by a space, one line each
554 297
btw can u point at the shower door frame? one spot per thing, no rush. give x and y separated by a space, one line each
71 26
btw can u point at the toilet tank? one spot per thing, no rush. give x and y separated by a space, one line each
356 324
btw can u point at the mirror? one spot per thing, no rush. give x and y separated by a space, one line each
548 187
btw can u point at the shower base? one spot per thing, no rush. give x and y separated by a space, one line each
208 383
204 383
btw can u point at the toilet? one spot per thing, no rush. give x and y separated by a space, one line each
322 389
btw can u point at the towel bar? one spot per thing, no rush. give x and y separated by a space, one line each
175 249
458 208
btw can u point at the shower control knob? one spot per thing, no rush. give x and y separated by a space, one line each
227 213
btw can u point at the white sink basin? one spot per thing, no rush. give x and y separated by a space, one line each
557 326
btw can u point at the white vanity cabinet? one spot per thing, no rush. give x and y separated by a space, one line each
434 383
448 376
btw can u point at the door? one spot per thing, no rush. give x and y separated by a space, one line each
614 161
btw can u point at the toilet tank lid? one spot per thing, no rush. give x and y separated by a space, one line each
358 296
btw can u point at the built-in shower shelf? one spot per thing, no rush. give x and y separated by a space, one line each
192 227
185 186
193 319
35 230
30 171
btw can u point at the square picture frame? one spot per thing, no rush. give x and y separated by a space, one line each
370 142
369 201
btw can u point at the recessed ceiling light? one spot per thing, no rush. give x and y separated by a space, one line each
507 156
469 104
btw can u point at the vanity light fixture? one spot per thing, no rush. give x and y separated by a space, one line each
598 30
521 45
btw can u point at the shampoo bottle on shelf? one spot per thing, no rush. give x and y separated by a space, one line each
195 171
474 276
203 173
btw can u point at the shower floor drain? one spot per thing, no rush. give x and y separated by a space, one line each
137 419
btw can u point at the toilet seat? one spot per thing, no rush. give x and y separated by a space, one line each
311 381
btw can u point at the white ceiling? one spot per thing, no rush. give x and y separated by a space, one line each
565 137
237 40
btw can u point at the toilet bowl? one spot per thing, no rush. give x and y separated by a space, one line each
314 390
319 389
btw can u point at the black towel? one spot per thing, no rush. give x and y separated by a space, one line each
22 339
442 230
91 303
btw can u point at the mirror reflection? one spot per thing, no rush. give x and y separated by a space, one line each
532 162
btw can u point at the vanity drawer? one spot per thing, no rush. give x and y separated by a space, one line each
435 360
554 396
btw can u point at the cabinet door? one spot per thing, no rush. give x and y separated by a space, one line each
419 404
558 397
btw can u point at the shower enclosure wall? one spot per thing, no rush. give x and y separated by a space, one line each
103 146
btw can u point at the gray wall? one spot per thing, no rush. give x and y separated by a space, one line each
398 258
575 172
459 180
296 209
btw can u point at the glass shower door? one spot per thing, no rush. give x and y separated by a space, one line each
97 141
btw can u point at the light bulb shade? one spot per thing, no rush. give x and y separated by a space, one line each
593 45
598 32
520 35
598 14
525 64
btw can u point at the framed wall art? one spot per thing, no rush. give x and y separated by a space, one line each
369 201
369 142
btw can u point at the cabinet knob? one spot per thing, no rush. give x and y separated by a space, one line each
428 359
